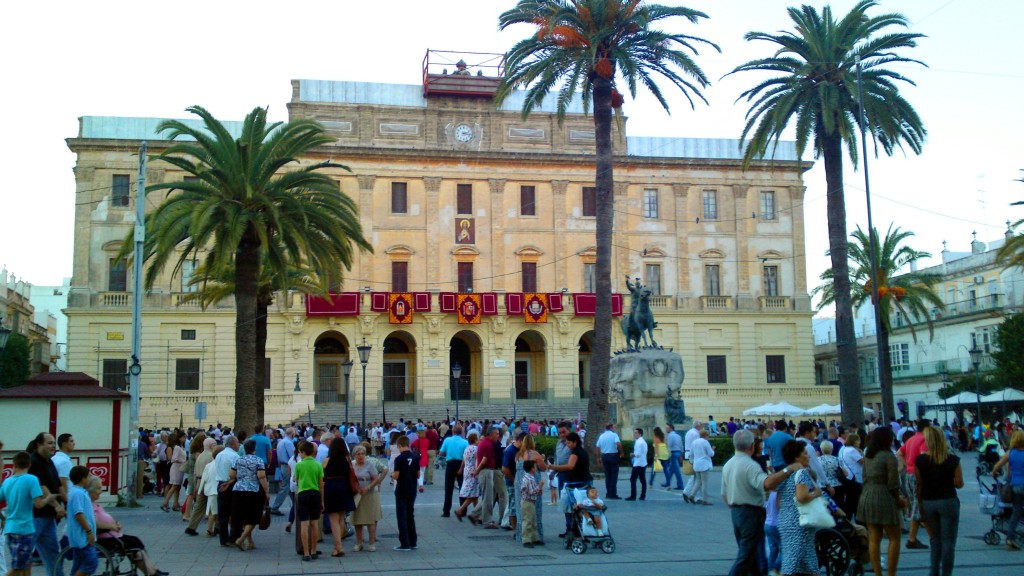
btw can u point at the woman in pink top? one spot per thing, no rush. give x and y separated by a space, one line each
111 538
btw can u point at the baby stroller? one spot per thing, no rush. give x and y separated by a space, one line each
990 504
584 534
988 455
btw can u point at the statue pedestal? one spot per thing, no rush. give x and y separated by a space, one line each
645 387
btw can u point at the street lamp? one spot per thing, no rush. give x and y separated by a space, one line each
346 369
364 357
456 374
945 383
975 353
5 333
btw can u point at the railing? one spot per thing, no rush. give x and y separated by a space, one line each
716 302
115 299
184 300
775 303
661 302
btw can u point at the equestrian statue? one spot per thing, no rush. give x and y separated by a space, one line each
639 325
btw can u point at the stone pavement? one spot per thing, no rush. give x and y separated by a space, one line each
663 535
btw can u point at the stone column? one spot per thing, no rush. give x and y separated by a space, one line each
559 217
620 222
680 192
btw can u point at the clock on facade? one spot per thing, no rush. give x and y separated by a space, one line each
463 133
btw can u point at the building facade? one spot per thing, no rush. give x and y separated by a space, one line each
19 314
978 294
464 199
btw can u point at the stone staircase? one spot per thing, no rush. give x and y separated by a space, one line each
530 409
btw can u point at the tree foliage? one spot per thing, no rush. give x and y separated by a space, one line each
15 362
1009 353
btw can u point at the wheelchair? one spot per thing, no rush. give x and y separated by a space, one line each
113 561
838 551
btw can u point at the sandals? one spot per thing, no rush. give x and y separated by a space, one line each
460 516
337 554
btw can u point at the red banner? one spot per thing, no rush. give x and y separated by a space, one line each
379 301
513 303
400 308
536 309
469 309
585 304
421 302
489 302
341 304
448 301
555 303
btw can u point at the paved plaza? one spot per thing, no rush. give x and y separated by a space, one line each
663 535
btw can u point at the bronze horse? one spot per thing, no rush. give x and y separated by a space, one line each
639 325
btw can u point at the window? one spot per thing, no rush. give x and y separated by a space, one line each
716 370
117 280
899 356
188 272
465 277
529 276
651 203
119 190
186 374
712 281
266 373
983 339
464 199
589 277
775 367
114 373
188 334
399 276
652 278
527 201
771 280
768 205
589 201
399 197
710 205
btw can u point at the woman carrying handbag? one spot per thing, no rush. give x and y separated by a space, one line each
1014 462
798 551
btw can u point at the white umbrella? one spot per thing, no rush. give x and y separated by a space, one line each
868 410
762 410
1007 395
963 398
787 409
822 410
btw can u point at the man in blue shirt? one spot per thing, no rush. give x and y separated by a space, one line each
775 442
508 469
452 450
263 445
22 493
674 442
81 529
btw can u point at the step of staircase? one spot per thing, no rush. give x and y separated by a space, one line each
533 410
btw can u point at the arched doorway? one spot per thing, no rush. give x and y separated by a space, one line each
531 367
399 369
464 350
329 352
586 344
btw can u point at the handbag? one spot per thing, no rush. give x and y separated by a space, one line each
1006 493
657 466
687 468
353 483
265 519
815 514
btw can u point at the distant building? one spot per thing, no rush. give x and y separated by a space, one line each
978 295
18 313
50 301
467 202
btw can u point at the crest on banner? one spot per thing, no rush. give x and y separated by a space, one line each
400 308
468 308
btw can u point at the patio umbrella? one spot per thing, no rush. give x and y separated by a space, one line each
787 409
762 410
963 398
1006 395
822 410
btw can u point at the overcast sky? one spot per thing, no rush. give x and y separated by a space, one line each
69 59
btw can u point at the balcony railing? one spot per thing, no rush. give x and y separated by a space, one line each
716 302
115 299
662 302
184 300
775 303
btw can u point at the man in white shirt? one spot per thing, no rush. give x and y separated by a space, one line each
639 463
224 462
692 434
324 447
285 453
62 458
610 446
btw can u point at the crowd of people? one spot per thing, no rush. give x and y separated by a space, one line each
873 480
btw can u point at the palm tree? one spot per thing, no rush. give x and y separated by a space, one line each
910 294
582 47
817 90
1011 253
243 207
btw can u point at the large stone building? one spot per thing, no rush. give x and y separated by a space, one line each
19 315
464 200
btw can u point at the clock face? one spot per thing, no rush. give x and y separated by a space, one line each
463 133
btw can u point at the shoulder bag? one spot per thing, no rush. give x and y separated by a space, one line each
814 514
265 518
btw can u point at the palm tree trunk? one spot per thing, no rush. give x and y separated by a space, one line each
885 376
262 307
247 267
597 405
846 341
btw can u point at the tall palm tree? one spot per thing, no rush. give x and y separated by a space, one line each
582 47
910 294
246 203
816 89
1011 253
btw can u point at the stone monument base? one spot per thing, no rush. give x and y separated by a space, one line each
645 387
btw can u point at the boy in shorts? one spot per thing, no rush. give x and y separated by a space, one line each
309 499
21 492
81 530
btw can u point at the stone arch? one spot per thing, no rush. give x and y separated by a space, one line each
466 349
530 370
398 367
585 344
330 350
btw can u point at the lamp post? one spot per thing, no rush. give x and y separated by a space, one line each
5 333
456 374
364 357
975 353
346 369
945 383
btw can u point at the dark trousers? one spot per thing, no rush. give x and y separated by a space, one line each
638 472
851 499
224 524
406 520
451 472
611 474
748 527
943 517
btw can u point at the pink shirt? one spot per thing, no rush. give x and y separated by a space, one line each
102 516
911 449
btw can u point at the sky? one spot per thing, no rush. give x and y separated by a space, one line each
64 60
